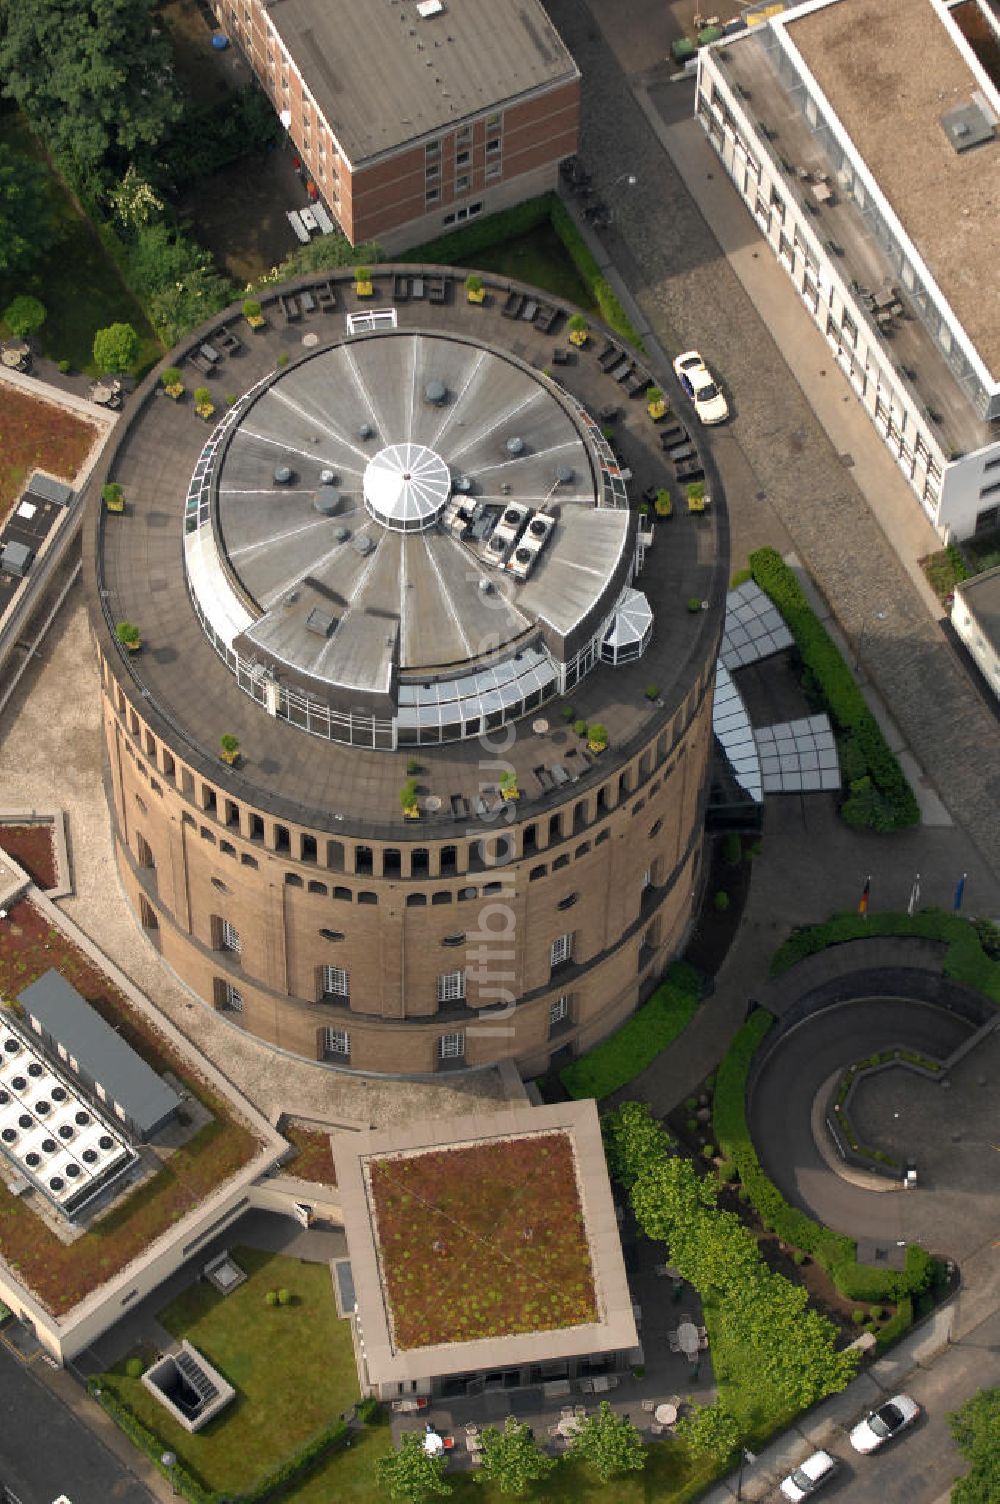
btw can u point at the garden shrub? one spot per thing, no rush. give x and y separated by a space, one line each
604 295
887 802
210 137
618 1059
368 1410
134 1368
284 1297
174 278
464 244
897 1326
271 1297
721 901
732 849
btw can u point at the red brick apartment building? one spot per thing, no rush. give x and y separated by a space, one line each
415 115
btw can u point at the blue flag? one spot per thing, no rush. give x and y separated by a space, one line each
960 892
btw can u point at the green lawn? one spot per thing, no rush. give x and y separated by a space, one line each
76 280
538 257
292 1367
669 1477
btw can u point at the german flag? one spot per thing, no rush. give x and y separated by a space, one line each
865 895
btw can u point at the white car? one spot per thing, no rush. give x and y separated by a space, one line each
804 1480
696 379
880 1425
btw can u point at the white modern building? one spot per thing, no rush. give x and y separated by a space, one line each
863 137
975 615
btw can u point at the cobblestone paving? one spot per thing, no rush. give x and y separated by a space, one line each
785 483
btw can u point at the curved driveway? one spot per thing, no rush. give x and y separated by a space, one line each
782 1101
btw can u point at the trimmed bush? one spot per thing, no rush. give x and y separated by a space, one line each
732 850
618 1059
886 802
368 1410
271 1297
135 1368
284 1297
580 254
721 901
897 1326
580 727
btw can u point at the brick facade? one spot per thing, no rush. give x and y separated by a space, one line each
617 869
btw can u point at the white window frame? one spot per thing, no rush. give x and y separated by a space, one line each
451 1046
233 998
559 1010
336 1042
229 938
561 950
336 981
451 987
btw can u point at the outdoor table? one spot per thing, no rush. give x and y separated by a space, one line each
433 1444
665 1414
309 219
211 353
687 1336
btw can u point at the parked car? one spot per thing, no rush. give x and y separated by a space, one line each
803 1481
696 379
880 1425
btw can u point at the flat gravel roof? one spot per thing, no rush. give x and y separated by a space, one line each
890 70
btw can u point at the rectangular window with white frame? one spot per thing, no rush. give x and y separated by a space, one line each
229 938
451 987
561 950
336 1042
232 998
336 982
558 1011
451 1046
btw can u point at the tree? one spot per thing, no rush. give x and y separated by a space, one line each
91 76
24 315
115 347
976 1429
411 1473
712 1430
610 1444
512 1459
26 221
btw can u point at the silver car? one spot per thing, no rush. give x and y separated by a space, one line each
803 1481
881 1425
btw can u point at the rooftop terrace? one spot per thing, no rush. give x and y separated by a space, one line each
192 697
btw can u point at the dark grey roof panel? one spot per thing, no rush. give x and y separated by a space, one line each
102 1054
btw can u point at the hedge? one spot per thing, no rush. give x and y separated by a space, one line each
293 1469
618 1059
897 1326
604 294
966 960
880 798
481 234
836 1252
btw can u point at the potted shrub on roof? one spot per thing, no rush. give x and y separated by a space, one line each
113 497
253 313
408 800
475 292
697 500
173 382
508 785
203 404
127 634
230 748
663 505
656 404
363 281
579 331
597 737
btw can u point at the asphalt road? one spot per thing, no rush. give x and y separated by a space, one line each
920 1466
783 1096
45 1451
